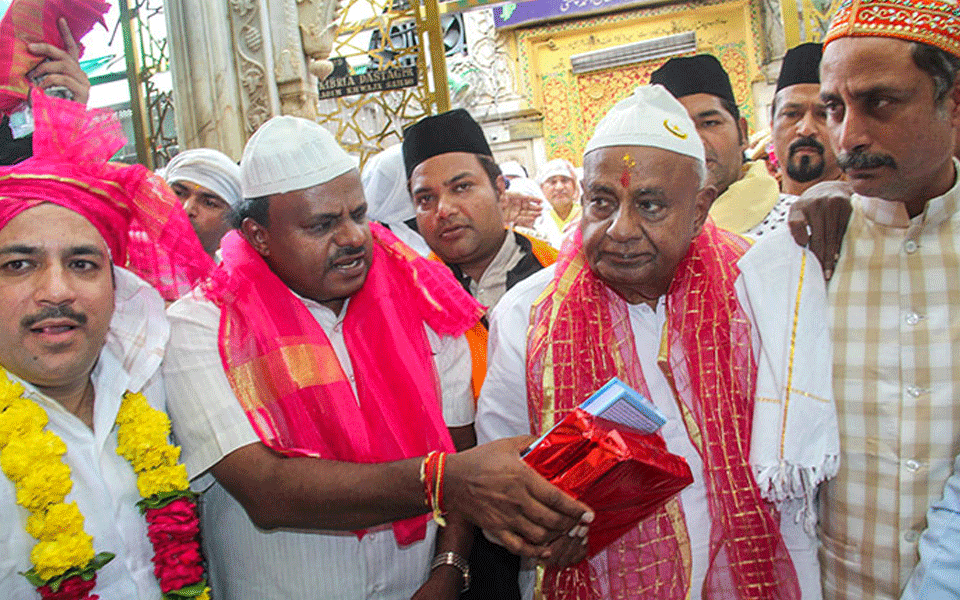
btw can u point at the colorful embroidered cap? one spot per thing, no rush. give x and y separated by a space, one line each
933 22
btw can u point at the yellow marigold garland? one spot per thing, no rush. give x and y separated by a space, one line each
31 457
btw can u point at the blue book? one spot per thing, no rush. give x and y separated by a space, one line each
616 401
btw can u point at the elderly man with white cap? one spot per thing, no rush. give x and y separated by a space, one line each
560 186
208 184
320 384
727 340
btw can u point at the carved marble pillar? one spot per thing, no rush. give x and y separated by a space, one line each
236 63
206 83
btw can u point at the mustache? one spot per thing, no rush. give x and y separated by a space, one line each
60 311
806 142
346 252
859 159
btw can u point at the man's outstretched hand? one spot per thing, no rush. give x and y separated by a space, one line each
493 488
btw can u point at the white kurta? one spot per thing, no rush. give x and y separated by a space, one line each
247 563
104 483
502 409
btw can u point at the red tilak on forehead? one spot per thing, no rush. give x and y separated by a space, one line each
625 177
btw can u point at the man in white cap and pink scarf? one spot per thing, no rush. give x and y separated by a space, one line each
726 339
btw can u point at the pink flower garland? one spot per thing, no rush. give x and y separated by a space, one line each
174 530
71 589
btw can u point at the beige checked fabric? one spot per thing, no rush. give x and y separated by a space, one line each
895 314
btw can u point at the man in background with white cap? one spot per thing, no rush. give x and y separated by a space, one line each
746 192
208 184
319 387
561 188
385 188
717 334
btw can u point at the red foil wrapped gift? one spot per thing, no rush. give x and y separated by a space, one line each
622 474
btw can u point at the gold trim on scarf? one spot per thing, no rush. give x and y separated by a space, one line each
793 347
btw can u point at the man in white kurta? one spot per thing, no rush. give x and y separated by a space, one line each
104 484
247 562
780 290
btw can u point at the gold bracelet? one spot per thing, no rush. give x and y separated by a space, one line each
455 560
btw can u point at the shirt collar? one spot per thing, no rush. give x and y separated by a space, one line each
139 329
894 214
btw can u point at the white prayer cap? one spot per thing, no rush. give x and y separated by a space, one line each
385 187
209 168
527 186
652 117
289 153
512 168
557 166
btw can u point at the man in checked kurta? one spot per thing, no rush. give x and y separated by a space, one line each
727 340
889 80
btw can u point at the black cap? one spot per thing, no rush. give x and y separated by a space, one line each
453 131
700 74
800 65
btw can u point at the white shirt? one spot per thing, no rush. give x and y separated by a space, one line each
209 422
502 412
104 483
776 219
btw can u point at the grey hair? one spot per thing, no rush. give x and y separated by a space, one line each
941 66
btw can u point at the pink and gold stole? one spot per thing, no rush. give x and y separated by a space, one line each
286 375
580 336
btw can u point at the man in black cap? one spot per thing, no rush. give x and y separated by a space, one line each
799 132
456 188
745 190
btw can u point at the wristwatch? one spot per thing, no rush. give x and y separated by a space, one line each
455 560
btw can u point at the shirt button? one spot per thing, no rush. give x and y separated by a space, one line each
913 319
911 537
913 466
910 246
914 391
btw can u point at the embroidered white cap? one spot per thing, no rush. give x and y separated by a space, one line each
651 117
289 153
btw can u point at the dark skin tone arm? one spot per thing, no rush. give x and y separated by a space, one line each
819 221
446 581
488 485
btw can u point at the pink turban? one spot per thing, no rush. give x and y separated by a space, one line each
138 216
